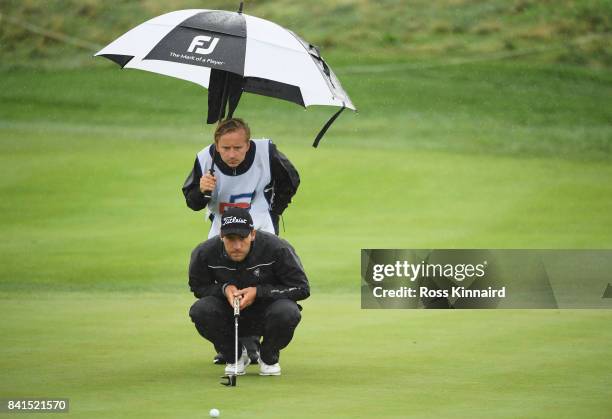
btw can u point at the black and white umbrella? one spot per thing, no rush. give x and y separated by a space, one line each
228 53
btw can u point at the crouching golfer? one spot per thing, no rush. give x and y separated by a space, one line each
260 269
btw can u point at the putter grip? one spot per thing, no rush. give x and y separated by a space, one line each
236 307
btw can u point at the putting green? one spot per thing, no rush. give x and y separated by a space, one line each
96 241
138 355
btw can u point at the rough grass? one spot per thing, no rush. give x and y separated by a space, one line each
357 30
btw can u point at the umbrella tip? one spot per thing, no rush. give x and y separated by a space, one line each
240 8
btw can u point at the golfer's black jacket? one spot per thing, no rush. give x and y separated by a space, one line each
284 184
271 265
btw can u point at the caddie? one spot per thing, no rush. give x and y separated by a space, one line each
250 174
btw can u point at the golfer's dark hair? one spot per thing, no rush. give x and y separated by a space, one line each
231 125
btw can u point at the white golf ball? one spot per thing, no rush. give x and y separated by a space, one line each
214 413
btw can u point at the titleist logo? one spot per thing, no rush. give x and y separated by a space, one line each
232 220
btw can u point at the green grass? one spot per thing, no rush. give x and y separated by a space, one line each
478 156
137 355
96 239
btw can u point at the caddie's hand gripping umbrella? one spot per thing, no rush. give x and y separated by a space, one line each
230 53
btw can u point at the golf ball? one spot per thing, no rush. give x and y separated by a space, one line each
214 413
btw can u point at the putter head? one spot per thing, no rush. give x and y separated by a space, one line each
229 380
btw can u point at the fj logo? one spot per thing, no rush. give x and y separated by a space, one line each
200 41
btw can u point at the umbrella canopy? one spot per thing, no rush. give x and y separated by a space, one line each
228 53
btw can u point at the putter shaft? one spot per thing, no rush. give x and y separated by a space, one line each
236 316
231 380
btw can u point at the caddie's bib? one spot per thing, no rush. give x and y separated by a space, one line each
245 190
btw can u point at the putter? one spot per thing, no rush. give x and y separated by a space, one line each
230 380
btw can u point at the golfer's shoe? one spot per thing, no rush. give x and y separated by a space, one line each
265 369
219 359
240 369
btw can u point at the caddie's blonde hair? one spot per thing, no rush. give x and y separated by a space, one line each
231 125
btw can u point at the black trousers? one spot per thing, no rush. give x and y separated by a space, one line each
274 320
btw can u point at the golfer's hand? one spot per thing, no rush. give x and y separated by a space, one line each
230 293
247 297
207 183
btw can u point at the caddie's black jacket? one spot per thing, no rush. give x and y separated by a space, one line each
271 265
